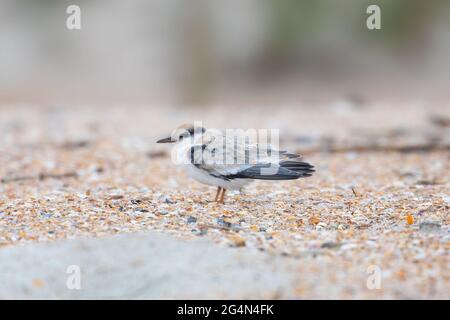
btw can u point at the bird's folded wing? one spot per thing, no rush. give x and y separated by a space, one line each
224 156
216 161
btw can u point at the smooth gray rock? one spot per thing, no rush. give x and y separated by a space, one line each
138 266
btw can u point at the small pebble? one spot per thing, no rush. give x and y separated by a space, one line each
237 241
168 201
163 212
409 219
430 227
200 232
223 223
331 245
191 219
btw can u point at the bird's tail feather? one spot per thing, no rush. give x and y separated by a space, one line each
287 170
301 167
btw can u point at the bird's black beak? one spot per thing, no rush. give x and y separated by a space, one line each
166 140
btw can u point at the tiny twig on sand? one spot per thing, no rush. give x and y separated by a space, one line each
70 145
377 148
157 154
440 121
40 176
211 226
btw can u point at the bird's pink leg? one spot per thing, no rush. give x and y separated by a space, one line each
222 195
219 191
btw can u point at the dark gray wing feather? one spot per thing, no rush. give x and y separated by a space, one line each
286 170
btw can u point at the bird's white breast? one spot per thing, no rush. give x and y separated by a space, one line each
204 177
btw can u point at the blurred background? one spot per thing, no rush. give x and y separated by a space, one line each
200 53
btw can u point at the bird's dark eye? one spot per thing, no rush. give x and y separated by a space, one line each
183 135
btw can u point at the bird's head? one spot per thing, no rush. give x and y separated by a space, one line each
182 132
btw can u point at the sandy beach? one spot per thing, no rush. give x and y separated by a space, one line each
89 186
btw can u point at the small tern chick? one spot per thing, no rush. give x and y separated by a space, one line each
231 161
